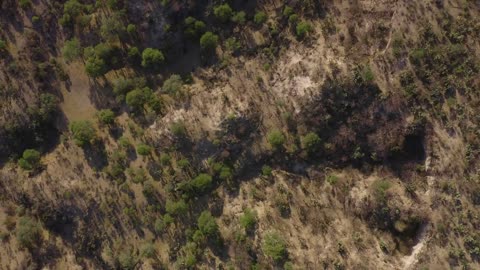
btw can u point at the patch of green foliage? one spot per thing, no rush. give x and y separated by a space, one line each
30 160
83 132
274 246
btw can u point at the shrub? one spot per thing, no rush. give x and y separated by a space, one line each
202 182
276 138
232 44
239 17
260 17
223 12
266 170
30 160
148 250
25 4
173 85
95 67
83 132
209 41
71 50
274 246
28 233
131 29
287 11
72 8
143 149
303 28
293 19
112 27
106 117
178 128
310 142
248 219
152 58
137 98
177 208
194 27
126 260
3 45
207 225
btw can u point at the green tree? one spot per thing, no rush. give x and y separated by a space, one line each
25 4
207 224
310 142
73 8
274 246
209 41
106 117
144 149
83 132
194 27
276 138
28 232
30 160
178 208
138 97
202 182
95 67
223 12
131 29
248 219
173 85
112 27
287 11
303 28
239 18
152 58
71 50
260 18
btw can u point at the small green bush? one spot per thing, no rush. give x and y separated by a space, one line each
177 208
209 41
83 132
287 11
201 183
276 139
28 233
144 149
25 4
223 12
303 28
71 50
137 98
274 246
106 117
248 219
194 27
30 160
173 85
178 129
239 17
152 58
260 18
207 224
266 170
311 142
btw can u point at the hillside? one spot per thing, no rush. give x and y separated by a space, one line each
236 134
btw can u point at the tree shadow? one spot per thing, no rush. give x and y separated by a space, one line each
96 155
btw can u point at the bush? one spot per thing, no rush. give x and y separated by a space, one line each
223 12
310 142
95 67
248 219
239 17
137 98
126 260
72 8
194 27
178 129
201 183
3 45
112 27
303 28
148 250
71 50
209 41
266 170
131 29
260 18
28 233
173 85
207 225
30 160
287 11
152 58
25 4
177 208
274 246
143 149
276 138
106 117
83 132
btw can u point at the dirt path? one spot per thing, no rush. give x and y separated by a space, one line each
412 259
76 101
